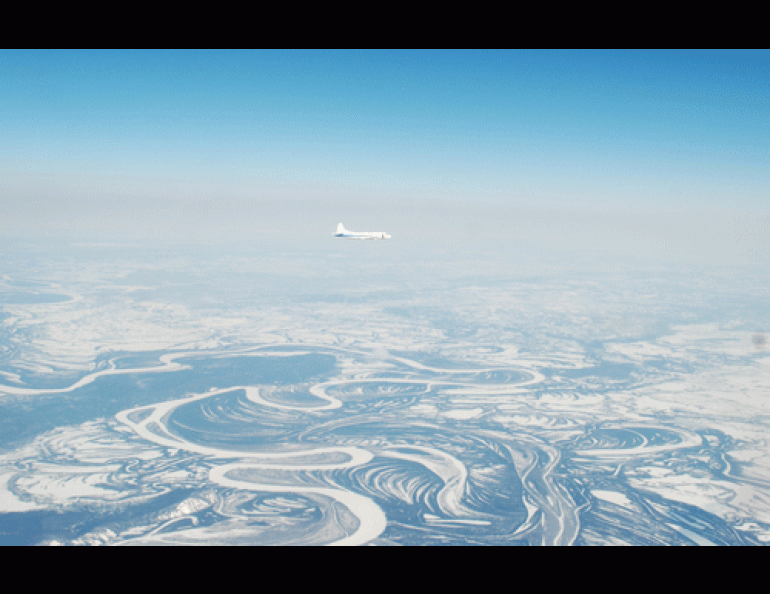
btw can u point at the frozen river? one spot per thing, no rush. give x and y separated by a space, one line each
153 404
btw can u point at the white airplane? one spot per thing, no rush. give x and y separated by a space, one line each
342 232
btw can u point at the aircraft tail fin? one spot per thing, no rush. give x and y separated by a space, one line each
340 228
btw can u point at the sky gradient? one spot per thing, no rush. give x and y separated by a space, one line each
84 134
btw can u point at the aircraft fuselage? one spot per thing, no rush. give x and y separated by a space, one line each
346 234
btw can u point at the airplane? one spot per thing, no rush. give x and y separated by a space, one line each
342 232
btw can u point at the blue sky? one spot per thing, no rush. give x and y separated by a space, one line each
555 129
